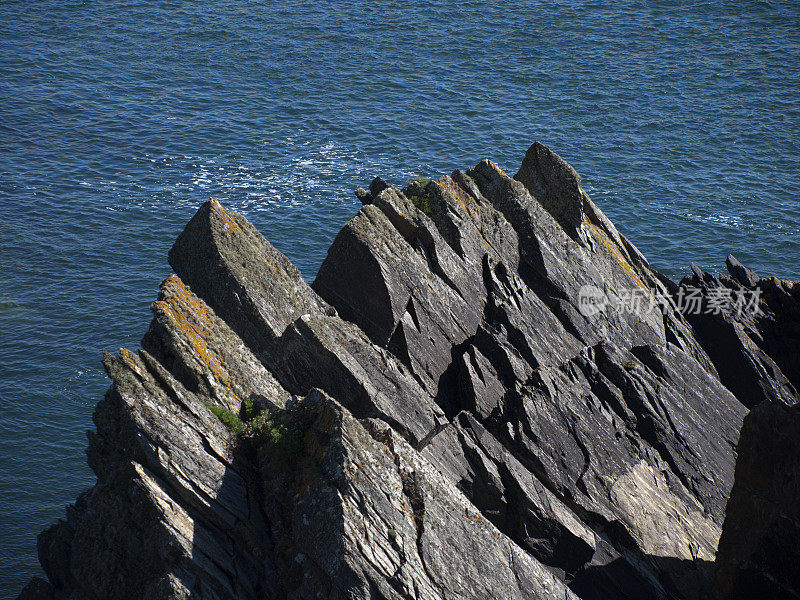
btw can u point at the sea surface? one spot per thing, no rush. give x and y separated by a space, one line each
117 119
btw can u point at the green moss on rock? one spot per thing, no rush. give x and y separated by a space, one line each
416 190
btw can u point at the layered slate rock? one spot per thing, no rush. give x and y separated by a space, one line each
251 285
295 333
333 355
485 393
371 518
173 512
556 186
200 350
594 407
751 328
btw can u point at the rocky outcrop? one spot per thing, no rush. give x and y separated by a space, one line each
751 329
486 392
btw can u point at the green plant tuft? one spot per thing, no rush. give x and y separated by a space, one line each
278 434
415 191
421 181
228 418
422 202
249 410
261 429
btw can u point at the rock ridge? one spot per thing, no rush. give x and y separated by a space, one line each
486 392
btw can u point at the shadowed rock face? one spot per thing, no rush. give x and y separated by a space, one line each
466 403
759 554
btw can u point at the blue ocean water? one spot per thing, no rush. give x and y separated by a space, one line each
118 119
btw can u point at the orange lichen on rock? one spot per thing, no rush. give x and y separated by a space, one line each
189 316
458 194
130 361
600 235
228 222
495 166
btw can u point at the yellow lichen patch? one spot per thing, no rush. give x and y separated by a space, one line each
189 316
130 361
601 236
474 518
464 200
228 222
497 168
459 195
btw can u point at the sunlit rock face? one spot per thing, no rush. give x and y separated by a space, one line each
487 392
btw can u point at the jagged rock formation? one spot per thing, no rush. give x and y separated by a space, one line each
757 353
466 403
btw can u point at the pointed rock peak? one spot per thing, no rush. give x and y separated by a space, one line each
542 168
556 186
495 185
252 286
130 360
172 282
213 212
488 169
173 291
747 277
699 278
363 195
377 186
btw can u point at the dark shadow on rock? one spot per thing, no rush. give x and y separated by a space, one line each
239 545
772 570
619 580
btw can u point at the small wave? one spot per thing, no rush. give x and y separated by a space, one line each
310 172
731 221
